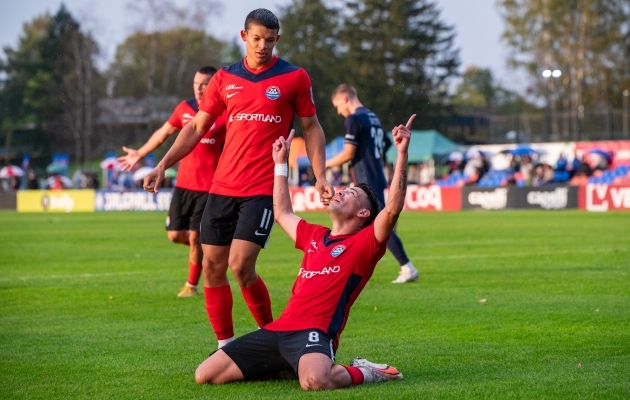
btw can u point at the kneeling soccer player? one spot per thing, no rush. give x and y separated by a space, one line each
337 264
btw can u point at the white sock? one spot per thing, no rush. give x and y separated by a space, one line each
223 342
192 286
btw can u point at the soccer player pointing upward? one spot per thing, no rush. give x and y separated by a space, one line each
260 94
337 264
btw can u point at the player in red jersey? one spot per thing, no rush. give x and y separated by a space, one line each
194 177
337 264
261 95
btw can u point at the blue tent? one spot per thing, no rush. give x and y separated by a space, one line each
425 145
332 149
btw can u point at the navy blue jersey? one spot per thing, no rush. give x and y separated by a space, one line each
364 130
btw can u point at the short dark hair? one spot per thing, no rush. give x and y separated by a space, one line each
374 207
346 89
262 17
207 70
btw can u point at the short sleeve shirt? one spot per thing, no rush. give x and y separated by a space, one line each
364 130
196 170
333 272
260 106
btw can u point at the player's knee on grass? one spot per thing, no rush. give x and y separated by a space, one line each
177 237
315 382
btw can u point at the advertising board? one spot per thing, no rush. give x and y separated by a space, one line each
55 201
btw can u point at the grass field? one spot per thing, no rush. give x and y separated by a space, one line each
509 305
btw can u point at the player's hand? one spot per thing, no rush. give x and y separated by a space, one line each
153 179
127 162
402 135
326 191
281 148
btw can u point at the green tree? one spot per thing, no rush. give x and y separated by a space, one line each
587 40
182 51
397 53
400 57
309 38
477 89
51 81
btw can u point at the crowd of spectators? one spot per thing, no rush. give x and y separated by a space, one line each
528 170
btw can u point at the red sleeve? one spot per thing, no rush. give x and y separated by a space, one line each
176 118
212 102
373 248
304 102
305 233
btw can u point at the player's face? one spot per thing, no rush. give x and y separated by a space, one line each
259 44
200 82
349 202
340 102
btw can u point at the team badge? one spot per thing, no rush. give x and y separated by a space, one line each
272 92
337 250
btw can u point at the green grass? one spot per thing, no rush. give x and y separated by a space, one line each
88 309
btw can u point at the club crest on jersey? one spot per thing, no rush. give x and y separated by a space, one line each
272 92
337 250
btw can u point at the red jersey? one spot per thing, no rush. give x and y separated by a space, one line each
334 270
260 105
196 170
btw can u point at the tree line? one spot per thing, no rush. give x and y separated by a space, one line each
399 54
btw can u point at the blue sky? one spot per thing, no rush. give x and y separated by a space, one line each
477 23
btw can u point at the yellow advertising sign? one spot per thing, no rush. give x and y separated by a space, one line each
55 200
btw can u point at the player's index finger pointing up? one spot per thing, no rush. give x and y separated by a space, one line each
291 134
410 121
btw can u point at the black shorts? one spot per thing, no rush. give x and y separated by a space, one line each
185 210
245 218
263 352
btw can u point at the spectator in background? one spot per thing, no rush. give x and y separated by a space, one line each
474 166
538 177
424 174
31 182
526 168
57 184
14 183
92 181
337 176
562 163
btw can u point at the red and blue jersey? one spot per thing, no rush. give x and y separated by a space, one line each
260 106
334 270
196 170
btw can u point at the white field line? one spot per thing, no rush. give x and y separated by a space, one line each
532 253
72 276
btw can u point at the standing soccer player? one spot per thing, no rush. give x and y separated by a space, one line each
261 95
364 148
336 266
194 177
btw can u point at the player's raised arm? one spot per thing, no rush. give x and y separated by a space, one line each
186 141
316 150
386 219
282 208
157 138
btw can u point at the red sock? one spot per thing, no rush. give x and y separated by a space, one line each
355 375
257 299
194 272
219 308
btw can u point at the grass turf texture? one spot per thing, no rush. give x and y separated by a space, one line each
88 309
